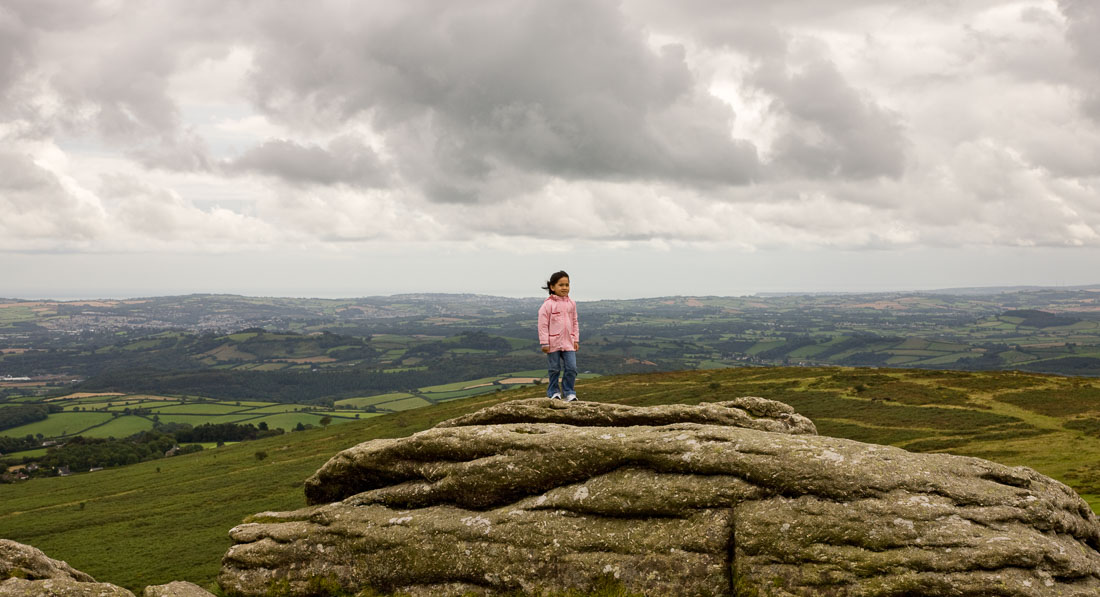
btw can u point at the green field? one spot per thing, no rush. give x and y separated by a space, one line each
440 396
102 522
372 400
197 411
196 420
289 421
59 425
123 426
201 408
404 404
450 387
278 408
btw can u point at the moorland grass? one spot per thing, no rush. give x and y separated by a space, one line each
1062 401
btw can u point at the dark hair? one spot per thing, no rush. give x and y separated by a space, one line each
554 277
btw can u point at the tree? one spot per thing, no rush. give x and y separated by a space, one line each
326 421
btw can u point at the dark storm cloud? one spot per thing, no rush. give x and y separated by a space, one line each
568 89
346 160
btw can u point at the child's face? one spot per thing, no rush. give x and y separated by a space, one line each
561 287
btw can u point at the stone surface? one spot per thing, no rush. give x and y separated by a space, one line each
720 499
178 588
59 587
26 562
26 571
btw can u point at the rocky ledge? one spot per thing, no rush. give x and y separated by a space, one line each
27 572
729 498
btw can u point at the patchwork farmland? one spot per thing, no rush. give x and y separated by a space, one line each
115 414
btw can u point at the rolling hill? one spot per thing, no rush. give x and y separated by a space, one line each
168 519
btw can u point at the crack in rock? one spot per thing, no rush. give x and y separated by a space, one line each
715 499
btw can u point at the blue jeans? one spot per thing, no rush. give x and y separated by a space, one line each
564 363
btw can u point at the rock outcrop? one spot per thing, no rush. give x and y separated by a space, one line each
177 588
26 571
728 498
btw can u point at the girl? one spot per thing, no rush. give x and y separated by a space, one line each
559 337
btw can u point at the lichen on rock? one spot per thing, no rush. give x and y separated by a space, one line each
740 496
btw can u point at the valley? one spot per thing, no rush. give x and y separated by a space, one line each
105 522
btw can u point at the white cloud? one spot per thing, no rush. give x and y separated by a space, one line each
840 124
39 212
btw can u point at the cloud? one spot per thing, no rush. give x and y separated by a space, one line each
830 129
146 215
346 160
38 211
1083 22
563 89
841 123
15 48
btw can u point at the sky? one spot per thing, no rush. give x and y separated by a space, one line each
650 148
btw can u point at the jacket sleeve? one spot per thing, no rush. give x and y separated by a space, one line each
576 325
544 325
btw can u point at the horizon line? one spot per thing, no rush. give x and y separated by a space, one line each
968 290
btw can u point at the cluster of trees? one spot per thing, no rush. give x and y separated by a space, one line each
223 432
81 453
1040 319
15 444
21 414
483 341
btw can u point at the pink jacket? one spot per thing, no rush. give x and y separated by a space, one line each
558 327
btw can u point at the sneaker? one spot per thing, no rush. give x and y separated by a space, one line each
571 398
556 396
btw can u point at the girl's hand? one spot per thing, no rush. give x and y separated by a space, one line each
546 349
576 346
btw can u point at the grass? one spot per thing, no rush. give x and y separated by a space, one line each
138 525
439 396
123 426
1061 402
365 401
201 408
278 408
196 420
404 404
451 387
289 421
59 424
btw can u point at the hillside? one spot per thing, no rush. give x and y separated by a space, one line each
318 351
164 520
